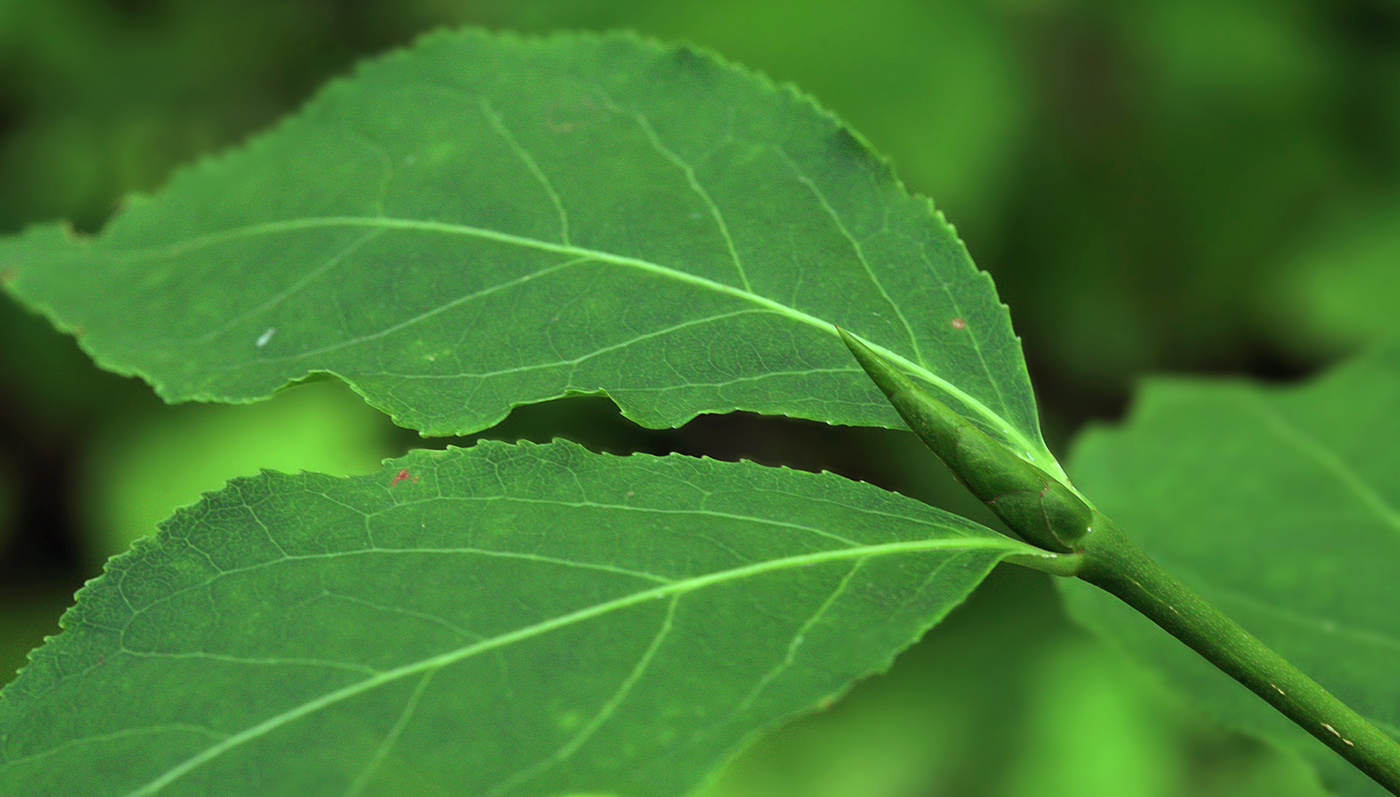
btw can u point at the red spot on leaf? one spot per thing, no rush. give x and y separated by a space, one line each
8 274
403 475
958 323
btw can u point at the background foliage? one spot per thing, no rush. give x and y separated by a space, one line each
1184 186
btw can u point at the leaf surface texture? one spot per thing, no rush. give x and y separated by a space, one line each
481 222
500 620
1281 507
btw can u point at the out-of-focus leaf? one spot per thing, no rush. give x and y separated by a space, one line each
1280 507
1183 146
137 473
482 222
1342 290
1083 701
497 620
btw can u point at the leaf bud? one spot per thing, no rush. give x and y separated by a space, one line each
1033 504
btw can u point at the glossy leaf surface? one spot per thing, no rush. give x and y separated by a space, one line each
481 222
501 620
1280 507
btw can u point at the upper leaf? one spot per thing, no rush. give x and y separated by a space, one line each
1282 507
481 222
501 620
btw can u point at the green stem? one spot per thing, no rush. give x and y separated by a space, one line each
1114 563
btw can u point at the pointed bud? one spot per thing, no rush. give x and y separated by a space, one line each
1034 504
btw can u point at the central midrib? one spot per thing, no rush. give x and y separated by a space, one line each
666 590
1011 434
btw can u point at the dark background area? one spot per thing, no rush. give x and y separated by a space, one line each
1160 186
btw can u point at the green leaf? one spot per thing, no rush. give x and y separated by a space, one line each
1280 507
481 222
1339 290
503 620
135 474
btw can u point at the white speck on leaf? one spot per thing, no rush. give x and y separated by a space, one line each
265 337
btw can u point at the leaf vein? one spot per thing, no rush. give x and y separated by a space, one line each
798 638
381 752
856 247
1328 460
605 712
543 627
695 185
498 124
1013 435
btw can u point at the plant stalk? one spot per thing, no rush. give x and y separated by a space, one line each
1114 563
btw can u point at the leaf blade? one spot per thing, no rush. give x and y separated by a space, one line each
305 634
650 223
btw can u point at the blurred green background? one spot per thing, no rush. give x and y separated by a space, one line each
1164 185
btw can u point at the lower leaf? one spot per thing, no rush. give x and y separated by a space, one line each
501 620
